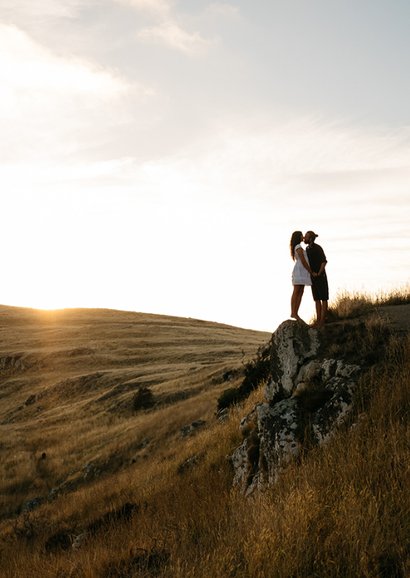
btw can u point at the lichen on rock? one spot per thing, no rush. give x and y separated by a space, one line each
307 398
293 344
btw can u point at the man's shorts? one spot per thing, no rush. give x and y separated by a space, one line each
320 288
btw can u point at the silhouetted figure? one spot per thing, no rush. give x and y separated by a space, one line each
320 288
300 274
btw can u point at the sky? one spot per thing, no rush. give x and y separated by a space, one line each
156 155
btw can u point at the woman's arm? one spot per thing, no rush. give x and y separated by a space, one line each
303 260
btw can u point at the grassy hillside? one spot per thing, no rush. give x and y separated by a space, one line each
70 382
147 500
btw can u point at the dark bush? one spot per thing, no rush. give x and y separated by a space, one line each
122 514
256 371
58 541
229 397
143 399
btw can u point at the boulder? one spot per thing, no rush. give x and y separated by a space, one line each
188 430
307 398
293 345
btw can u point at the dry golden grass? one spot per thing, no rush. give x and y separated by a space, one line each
68 381
342 512
348 305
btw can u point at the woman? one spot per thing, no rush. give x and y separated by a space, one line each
301 273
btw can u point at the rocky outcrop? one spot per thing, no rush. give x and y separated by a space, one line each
293 344
307 398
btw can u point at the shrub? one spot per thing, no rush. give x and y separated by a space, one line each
256 372
143 399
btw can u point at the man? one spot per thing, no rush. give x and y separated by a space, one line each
320 288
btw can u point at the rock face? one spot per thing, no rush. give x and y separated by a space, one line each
307 398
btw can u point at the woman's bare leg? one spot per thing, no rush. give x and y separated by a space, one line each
296 300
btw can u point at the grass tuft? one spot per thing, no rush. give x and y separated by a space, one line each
350 305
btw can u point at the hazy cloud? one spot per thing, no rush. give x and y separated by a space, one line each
157 7
308 149
27 66
223 9
173 35
45 99
41 9
168 26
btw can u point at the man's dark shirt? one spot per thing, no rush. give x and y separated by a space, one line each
320 288
316 256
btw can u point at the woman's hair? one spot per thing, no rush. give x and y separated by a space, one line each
296 238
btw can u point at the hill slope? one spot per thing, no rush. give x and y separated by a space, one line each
69 383
136 494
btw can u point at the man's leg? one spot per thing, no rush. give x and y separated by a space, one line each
323 312
318 304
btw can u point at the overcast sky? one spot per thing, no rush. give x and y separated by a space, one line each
156 155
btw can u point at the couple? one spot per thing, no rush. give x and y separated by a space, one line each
309 269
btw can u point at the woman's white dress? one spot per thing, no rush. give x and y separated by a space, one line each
300 275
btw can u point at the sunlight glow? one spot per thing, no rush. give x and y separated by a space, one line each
25 65
165 170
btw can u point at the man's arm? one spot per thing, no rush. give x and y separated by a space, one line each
322 264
